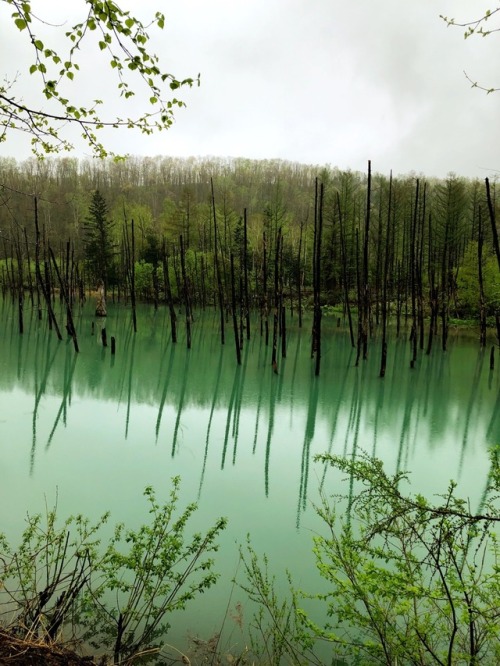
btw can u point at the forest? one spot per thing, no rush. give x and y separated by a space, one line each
262 235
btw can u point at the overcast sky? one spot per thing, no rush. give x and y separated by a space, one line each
314 81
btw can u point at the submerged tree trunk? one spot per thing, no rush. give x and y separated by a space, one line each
64 293
344 270
40 281
187 301
482 308
299 274
245 273
413 278
168 293
235 319
383 360
317 283
217 267
132 277
277 303
366 276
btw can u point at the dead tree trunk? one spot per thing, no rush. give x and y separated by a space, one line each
385 277
344 270
245 273
186 294
168 293
64 292
40 281
217 267
482 309
235 319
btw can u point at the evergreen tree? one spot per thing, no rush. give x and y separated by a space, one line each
99 246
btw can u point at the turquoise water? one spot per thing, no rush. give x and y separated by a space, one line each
92 430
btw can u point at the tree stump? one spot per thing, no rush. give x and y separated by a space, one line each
100 308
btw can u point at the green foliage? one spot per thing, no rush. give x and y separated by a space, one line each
61 577
468 285
144 284
44 576
483 26
406 581
275 632
123 40
167 197
146 574
99 246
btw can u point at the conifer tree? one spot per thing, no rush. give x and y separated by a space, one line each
99 246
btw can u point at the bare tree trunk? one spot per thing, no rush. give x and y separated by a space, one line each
344 270
277 302
482 309
217 267
317 285
235 320
413 279
168 293
366 275
245 273
383 361
265 305
40 281
299 274
186 294
71 326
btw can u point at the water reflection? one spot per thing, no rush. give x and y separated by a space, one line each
212 409
447 407
69 369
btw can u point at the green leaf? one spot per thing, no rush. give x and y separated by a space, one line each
33 69
38 44
153 100
20 23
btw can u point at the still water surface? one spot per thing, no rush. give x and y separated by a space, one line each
93 430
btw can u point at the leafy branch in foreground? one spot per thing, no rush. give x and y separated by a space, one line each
149 573
275 632
124 41
62 582
41 580
483 26
407 581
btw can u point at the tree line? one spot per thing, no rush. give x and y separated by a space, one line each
270 235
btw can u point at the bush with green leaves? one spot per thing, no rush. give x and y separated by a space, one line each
62 580
144 283
406 581
467 297
41 581
145 575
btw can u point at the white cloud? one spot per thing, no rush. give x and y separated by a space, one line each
316 81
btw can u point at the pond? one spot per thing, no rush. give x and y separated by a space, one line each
92 430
